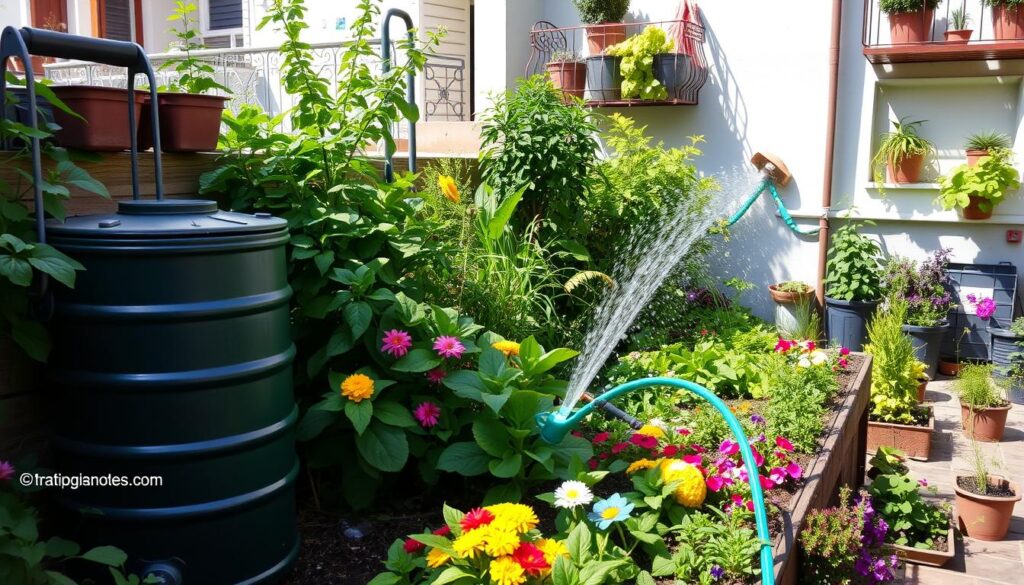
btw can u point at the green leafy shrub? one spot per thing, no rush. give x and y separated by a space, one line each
894 370
194 75
912 520
854 266
904 6
637 54
601 11
797 399
989 180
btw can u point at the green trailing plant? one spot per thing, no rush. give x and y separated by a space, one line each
601 11
854 265
905 6
637 54
987 181
899 144
976 388
958 19
988 141
913 521
194 75
893 371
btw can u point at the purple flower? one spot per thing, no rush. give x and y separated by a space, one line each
922 482
6 470
717 572
986 308
757 419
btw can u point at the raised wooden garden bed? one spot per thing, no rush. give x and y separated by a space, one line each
840 461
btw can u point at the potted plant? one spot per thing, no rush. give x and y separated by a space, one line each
568 72
919 531
926 290
901 153
896 419
604 22
189 118
910 21
980 144
1006 344
921 375
982 406
853 288
1007 19
984 501
1012 381
638 53
957 31
793 306
604 78
977 189
791 292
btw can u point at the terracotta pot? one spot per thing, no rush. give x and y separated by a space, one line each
949 367
958 37
973 209
911 27
907 170
570 77
1008 22
105 112
602 36
789 298
975 154
926 556
989 423
914 441
922 387
190 122
986 517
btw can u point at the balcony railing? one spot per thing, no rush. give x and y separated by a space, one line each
254 77
930 35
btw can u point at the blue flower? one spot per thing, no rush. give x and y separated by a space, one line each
614 509
717 572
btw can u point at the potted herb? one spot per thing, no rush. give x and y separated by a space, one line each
896 419
982 406
902 152
926 290
1007 19
980 144
604 22
977 189
910 21
791 292
919 531
568 72
957 31
638 53
189 118
853 288
984 501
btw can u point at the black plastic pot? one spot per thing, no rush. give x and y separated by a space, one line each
927 344
846 322
1004 347
604 78
678 74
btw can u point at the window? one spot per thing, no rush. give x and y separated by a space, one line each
223 15
118 19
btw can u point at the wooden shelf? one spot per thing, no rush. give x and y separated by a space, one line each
937 52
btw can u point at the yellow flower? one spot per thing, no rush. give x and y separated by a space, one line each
500 542
652 431
449 188
744 408
437 557
508 348
641 465
552 549
691 489
357 387
513 517
506 571
469 544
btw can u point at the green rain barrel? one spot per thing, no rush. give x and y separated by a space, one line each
172 359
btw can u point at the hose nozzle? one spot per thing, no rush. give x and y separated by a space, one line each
772 167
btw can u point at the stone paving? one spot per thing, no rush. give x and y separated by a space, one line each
976 562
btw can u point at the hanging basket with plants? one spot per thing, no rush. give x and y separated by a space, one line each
1007 19
910 21
977 189
853 286
902 153
982 143
604 22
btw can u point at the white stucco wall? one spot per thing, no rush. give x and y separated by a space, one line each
14 12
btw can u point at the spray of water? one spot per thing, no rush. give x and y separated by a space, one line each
654 253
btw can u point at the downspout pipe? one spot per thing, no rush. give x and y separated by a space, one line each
830 146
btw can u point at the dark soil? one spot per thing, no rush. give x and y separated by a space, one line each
1000 490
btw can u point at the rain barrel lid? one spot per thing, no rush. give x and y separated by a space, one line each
168 217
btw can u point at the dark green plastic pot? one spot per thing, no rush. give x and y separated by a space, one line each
1004 347
846 322
927 344
172 358
604 78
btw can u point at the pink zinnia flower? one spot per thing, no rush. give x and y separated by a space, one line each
844 351
437 375
794 470
715 483
758 458
449 347
643 441
684 432
783 443
619 447
427 414
6 470
729 447
396 343
670 451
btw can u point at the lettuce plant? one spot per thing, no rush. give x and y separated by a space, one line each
637 54
989 180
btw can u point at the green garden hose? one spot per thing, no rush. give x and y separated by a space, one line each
767 183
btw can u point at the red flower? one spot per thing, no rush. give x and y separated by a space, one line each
783 443
531 559
592 464
670 451
476 518
600 437
602 456
619 448
443 531
413 546
644 441
715 483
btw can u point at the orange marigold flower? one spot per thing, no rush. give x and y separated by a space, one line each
357 387
642 465
509 348
448 188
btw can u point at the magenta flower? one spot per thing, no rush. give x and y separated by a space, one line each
729 447
437 375
758 458
427 414
6 470
783 443
794 470
449 347
844 351
692 459
923 482
777 475
396 343
715 483
766 483
986 308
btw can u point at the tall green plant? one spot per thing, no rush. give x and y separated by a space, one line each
194 75
899 144
854 265
893 368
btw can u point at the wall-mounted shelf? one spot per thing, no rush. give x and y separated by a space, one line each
942 52
903 187
937 217
637 103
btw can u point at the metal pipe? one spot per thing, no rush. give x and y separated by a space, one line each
614 411
410 90
830 146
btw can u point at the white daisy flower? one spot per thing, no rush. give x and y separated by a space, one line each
572 494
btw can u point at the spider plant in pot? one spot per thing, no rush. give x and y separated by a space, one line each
902 152
980 144
984 501
982 405
957 31
568 72
603 20
977 190
1007 19
910 21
